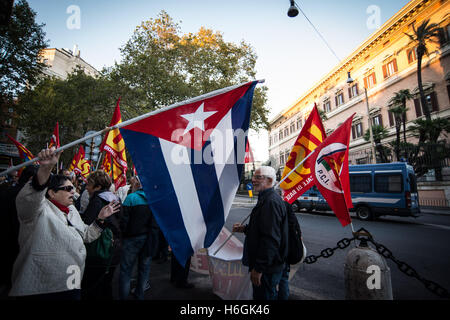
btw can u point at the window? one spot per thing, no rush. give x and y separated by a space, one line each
299 123
353 91
282 162
411 53
412 183
292 128
286 155
280 135
444 35
370 81
390 68
327 106
431 102
377 120
388 183
339 98
357 130
360 183
286 132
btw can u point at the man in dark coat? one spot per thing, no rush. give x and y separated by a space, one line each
265 246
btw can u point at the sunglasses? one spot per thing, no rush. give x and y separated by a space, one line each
65 188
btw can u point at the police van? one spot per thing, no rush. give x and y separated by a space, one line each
377 190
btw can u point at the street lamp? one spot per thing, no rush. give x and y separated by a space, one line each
293 11
372 145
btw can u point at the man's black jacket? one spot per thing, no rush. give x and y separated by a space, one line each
265 246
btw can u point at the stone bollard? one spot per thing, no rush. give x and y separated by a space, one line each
367 275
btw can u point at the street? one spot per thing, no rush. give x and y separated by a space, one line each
423 243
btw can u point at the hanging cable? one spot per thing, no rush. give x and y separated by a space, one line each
320 35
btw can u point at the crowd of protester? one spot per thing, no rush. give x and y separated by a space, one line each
54 226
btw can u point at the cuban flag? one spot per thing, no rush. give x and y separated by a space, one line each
190 157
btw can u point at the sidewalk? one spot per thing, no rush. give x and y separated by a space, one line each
162 289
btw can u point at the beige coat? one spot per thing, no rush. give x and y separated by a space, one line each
52 252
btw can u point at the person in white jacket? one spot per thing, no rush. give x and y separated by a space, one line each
52 254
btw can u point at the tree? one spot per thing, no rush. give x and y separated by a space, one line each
398 109
379 132
161 66
421 36
20 43
80 103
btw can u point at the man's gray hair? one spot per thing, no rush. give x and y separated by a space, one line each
269 172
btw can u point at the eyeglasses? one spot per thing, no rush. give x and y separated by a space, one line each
259 177
65 188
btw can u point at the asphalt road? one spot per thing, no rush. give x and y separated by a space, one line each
423 243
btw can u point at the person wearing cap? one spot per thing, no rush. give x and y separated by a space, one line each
265 245
51 260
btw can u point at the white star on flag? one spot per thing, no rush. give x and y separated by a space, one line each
197 119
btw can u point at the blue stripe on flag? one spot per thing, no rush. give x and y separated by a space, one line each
149 161
208 191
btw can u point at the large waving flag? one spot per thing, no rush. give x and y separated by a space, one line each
114 144
112 167
54 141
24 153
190 157
330 171
311 135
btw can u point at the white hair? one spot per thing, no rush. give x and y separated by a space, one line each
269 172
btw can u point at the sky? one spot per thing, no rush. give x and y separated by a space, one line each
292 57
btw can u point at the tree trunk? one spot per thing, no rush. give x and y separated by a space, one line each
423 101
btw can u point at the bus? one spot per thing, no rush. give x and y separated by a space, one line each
376 189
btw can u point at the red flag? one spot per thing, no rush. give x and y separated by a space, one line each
82 166
114 144
54 141
24 153
248 153
330 171
311 135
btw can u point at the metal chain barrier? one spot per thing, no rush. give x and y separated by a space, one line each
364 236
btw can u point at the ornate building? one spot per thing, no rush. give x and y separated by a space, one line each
381 66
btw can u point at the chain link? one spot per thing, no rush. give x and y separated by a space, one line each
364 235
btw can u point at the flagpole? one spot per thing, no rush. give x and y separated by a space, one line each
298 165
67 146
128 122
99 160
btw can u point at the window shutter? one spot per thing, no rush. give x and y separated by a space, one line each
374 78
391 119
365 82
353 133
417 106
356 87
395 65
384 71
434 103
349 92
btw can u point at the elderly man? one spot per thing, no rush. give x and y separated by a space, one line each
265 246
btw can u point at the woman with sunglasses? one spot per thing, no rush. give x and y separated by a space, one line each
52 255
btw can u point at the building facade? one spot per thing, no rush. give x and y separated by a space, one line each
381 66
62 62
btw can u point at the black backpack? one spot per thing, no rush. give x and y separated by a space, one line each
295 245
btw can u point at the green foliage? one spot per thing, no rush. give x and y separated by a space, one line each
20 43
379 133
161 66
425 32
80 103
